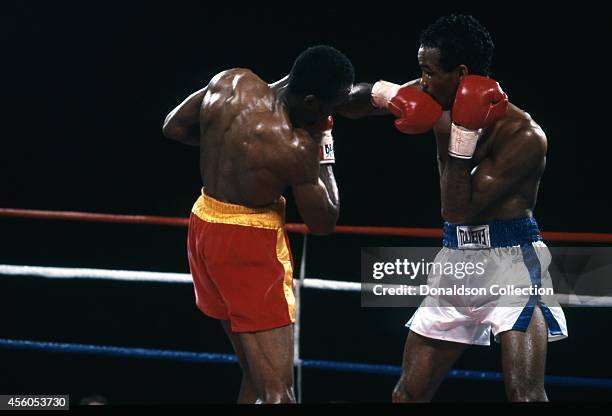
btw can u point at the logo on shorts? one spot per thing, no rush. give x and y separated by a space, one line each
473 236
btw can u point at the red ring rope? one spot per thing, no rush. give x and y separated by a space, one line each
294 228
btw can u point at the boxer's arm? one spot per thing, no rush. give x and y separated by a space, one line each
465 196
318 202
183 123
359 103
314 189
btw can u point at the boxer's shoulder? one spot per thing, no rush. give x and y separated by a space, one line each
240 83
517 128
239 93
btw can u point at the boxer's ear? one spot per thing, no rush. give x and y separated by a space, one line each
462 70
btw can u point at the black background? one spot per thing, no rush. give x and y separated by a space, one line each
86 88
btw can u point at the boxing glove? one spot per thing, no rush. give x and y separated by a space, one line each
479 102
416 111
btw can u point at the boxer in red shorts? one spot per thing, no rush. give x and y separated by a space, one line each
256 139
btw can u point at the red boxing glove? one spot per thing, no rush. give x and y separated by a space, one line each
416 111
479 102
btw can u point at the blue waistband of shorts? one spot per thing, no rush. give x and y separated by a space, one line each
502 233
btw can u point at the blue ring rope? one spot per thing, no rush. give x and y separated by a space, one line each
206 357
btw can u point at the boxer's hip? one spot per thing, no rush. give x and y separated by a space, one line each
214 211
499 233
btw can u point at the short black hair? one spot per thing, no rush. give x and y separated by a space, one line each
461 39
321 71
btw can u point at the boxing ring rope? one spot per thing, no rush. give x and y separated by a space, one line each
302 282
292 228
185 278
204 357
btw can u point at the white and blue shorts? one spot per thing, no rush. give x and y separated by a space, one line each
514 257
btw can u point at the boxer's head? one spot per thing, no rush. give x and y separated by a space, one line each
320 80
451 47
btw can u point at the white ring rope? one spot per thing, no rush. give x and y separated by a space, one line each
143 276
158 277
96 274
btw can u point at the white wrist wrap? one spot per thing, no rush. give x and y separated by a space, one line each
462 141
382 92
326 149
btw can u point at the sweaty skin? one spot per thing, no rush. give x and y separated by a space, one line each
250 150
505 170
499 182
502 178
247 142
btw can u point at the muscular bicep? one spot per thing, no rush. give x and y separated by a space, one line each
521 158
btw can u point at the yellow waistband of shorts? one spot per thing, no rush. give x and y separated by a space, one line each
211 210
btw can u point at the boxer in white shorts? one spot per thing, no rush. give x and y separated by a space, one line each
491 156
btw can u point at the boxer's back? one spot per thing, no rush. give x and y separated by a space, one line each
244 135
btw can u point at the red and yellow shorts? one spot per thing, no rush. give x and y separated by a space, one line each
241 264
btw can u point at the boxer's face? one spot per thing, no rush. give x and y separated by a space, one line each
435 81
317 109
